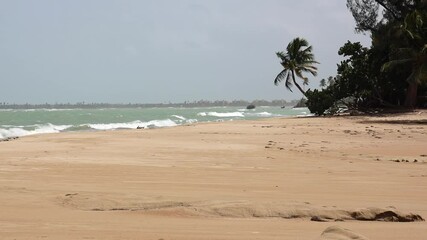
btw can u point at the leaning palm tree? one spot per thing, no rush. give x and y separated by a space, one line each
297 60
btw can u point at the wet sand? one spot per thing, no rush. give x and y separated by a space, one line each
264 179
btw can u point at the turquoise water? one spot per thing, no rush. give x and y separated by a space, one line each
15 123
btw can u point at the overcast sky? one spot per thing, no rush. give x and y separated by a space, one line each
146 51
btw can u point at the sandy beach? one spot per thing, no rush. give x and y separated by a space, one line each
265 179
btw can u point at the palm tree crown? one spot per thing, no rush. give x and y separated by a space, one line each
297 60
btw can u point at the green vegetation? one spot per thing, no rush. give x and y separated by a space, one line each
391 73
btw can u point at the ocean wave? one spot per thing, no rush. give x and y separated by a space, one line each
223 115
132 125
261 114
305 115
179 117
83 121
19 131
38 110
190 121
299 108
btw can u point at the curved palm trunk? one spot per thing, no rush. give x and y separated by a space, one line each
296 84
411 95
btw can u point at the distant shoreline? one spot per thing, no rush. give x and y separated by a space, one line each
201 103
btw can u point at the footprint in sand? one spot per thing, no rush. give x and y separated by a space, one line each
270 144
336 232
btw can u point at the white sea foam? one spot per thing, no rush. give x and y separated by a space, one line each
132 125
35 125
43 110
191 121
179 117
12 132
223 115
300 108
39 129
57 109
305 115
261 114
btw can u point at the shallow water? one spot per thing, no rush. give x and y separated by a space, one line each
16 123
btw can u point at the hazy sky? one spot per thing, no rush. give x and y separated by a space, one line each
146 51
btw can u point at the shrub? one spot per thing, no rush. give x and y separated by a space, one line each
318 102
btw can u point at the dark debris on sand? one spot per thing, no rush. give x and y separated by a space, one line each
8 139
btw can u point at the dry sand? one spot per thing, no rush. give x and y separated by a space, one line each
356 177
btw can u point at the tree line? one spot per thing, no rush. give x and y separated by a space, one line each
186 104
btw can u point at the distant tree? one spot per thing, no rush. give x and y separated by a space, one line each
368 17
328 82
297 59
322 83
365 13
331 80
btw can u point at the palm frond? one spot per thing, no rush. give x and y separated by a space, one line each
312 71
299 74
310 62
281 55
280 77
394 63
309 66
308 50
308 69
288 83
400 53
305 82
294 47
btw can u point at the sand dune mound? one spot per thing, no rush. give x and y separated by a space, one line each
266 210
338 233
231 209
377 214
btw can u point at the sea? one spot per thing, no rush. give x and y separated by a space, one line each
24 122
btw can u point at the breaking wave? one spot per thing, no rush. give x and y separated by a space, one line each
20 131
217 114
179 117
133 125
18 123
7 131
